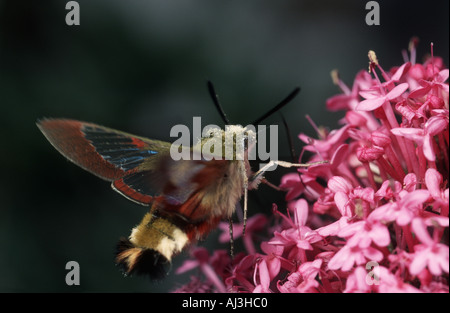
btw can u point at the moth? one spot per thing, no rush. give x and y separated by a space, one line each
186 198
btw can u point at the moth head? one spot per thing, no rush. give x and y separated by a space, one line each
229 144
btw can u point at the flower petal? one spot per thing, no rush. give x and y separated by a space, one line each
370 104
435 125
419 92
433 180
399 73
341 200
418 264
415 134
415 198
380 235
420 230
339 102
397 91
301 212
338 183
443 75
428 151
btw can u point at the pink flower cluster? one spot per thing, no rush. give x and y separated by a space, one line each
379 220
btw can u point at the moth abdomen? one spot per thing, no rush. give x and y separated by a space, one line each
141 261
151 246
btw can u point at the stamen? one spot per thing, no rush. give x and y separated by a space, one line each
432 59
412 49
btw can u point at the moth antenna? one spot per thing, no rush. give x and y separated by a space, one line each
278 106
289 136
215 99
291 145
230 228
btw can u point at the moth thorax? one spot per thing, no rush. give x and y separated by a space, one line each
229 144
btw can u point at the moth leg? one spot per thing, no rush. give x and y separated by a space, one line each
268 183
230 225
257 176
245 206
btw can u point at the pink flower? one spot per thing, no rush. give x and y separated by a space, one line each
372 219
379 280
291 182
430 253
349 100
303 280
357 282
375 98
325 147
350 202
241 278
433 180
347 257
296 187
363 233
299 237
390 283
404 210
255 225
273 258
262 277
436 85
424 137
201 260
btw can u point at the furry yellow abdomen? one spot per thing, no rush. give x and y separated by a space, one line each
150 247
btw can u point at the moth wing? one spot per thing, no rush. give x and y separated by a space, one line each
109 154
165 178
139 168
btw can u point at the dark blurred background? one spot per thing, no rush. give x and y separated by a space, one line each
141 67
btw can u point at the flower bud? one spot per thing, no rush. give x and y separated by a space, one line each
435 102
417 71
368 154
380 139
